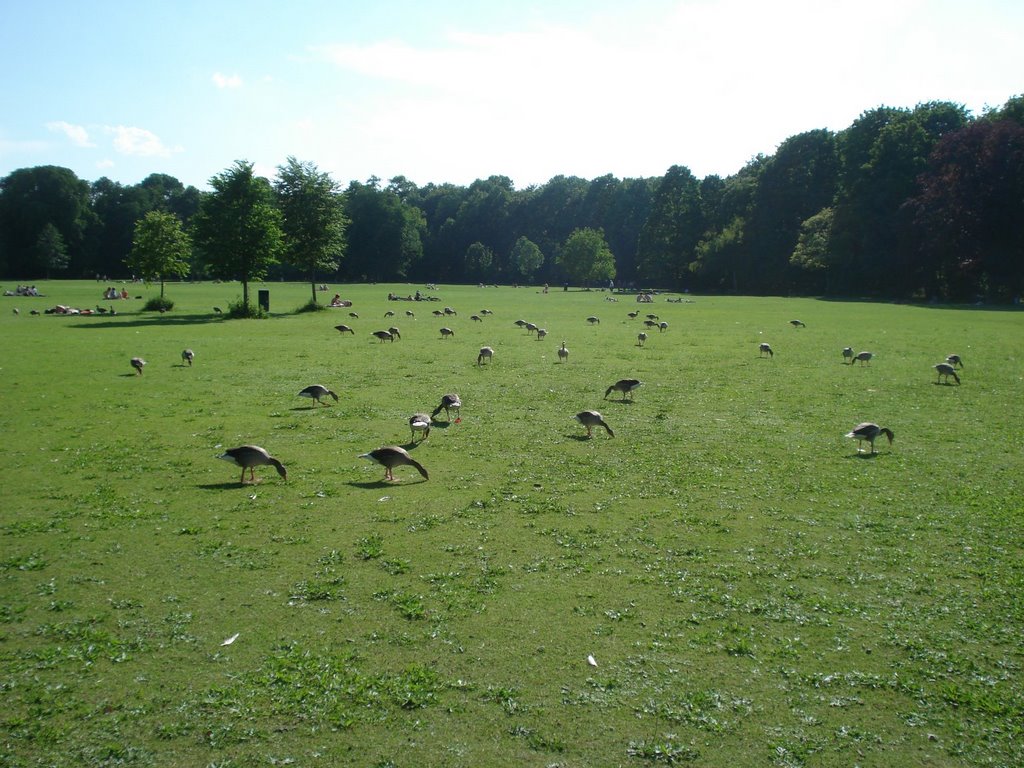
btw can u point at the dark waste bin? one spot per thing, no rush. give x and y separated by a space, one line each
264 300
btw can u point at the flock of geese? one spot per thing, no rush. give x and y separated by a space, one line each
391 457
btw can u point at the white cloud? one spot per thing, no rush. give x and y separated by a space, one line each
78 135
105 163
226 81
129 140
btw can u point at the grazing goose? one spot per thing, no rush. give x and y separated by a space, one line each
593 320
252 456
625 386
16 311
410 313
394 332
354 314
633 315
563 354
765 348
437 313
187 356
449 403
391 456
316 391
450 311
652 317
137 363
530 327
419 422
848 354
864 357
476 318
651 323
384 336
520 323
797 323
218 310
947 370
640 339
486 353
869 431
388 314
663 326
541 333
486 312
344 329
591 419
954 360
446 332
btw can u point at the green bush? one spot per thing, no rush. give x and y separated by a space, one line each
310 306
239 310
158 304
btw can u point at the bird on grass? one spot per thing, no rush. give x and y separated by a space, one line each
486 312
947 370
591 419
633 315
187 356
652 317
541 333
663 326
317 391
764 348
563 354
449 403
870 432
797 323
354 314
344 329
954 360
486 353
420 422
864 357
476 318
389 313
392 456
410 313
594 320
252 456
16 311
446 332
848 354
137 364
651 323
384 336
394 332
625 386
640 339
218 310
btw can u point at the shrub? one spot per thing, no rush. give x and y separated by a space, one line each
158 304
239 310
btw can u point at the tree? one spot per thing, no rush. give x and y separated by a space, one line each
668 240
479 259
314 218
586 259
526 258
238 227
385 236
51 249
160 248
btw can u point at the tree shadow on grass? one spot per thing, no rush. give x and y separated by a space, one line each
140 322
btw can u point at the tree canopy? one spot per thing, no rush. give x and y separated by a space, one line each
160 248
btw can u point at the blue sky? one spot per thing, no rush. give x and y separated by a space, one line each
455 91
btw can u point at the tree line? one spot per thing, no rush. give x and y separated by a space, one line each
916 203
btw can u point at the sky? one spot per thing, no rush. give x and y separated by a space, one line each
452 91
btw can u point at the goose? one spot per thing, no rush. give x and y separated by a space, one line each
625 386
864 357
486 312
848 354
187 355
954 360
870 432
633 315
476 318
101 310
651 323
384 336
486 353
137 363
519 323
797 323
16 311
354 314
591 419
763 348
663 326
410 313
530 327
252 456
394 332
449 403
391 456
218 310
640 339
541 333
446 332
419 422
563 354
437 313
944 369
652 317
316 391
450 311
388 314
344 329
593 320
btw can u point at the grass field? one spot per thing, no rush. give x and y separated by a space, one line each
752 590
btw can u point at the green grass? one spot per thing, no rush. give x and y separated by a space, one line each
754 591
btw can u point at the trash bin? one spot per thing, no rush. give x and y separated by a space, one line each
264 300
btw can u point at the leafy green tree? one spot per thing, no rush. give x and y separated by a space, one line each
669 238
385 236
51 249
238 227
479 259
526 258
722 255
812 255
160 248
314 218
586 259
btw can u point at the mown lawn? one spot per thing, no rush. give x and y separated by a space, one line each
752 590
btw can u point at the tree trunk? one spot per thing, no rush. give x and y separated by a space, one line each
312 284
161 286
245 294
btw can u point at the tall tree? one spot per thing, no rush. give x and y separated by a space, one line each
238 227
385 236
51 249
586 259
526 258
160 248
669 238
314 218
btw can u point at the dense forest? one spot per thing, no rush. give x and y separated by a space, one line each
922 203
